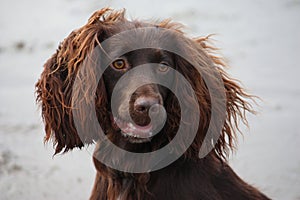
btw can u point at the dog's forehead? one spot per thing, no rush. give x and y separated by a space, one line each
141 56
130 36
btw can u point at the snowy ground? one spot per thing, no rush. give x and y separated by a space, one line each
260 38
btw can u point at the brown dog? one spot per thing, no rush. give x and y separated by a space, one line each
189 177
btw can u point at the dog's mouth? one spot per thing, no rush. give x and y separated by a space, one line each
133 132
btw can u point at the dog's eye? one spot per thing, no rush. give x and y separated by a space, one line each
119 64
163 67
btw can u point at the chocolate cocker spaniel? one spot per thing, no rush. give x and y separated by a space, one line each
159 106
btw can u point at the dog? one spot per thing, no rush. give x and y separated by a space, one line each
82 87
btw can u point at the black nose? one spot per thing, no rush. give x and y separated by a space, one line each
143 104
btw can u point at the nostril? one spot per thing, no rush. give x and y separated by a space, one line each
141 108
154 109
143 104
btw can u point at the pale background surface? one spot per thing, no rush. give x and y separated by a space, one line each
260 38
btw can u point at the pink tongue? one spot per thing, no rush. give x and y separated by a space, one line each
135 130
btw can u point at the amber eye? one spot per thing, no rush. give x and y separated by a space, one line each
163 67
119 64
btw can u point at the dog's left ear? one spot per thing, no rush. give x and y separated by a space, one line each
236 98
55 88
237 101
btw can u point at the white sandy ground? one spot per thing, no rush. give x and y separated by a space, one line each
260 38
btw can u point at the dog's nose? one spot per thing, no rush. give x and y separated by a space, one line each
143 104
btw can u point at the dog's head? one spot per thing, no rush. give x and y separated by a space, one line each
136 112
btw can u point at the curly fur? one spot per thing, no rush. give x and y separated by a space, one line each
55 91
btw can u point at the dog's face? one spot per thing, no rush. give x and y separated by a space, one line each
148 115
146 100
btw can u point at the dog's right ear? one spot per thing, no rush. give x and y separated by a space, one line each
55 89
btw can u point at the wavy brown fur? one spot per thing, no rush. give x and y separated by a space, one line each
54 93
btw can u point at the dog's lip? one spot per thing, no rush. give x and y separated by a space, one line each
133 130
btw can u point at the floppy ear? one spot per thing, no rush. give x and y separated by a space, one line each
237 101
54 89
235 98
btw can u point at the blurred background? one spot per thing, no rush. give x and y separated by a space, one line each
259 38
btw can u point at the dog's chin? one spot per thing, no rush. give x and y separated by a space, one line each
131 132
